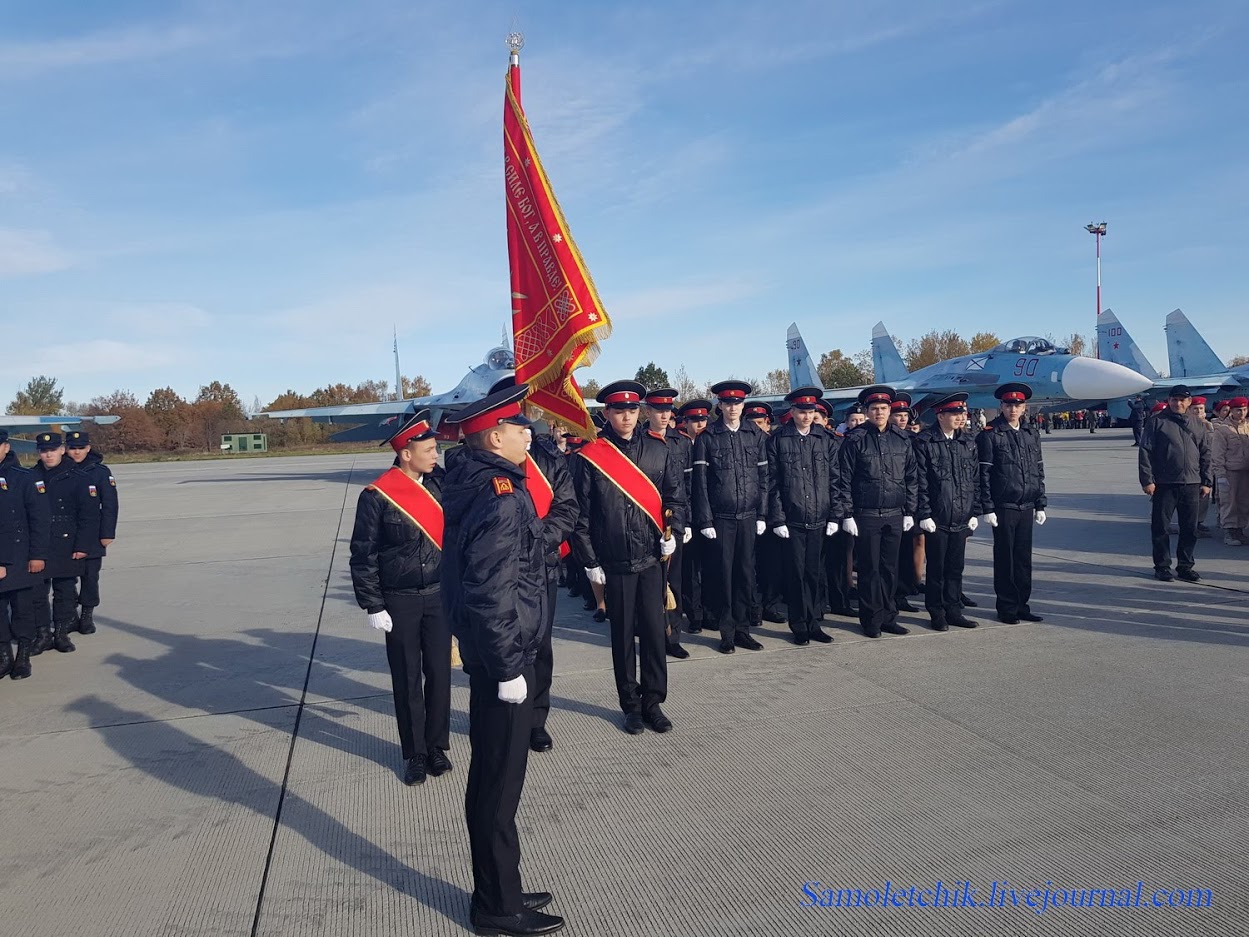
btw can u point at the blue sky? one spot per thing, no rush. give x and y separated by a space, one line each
256 192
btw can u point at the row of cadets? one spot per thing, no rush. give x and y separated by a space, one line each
769 591
25 527
632 500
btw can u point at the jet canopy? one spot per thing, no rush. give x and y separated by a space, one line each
1028 345
501 359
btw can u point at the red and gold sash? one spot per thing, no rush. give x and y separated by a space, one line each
414 501
543 495
626 476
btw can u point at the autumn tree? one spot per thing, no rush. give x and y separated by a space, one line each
171 415
776 382
983 341
135 430
836 370
1238 360
589 389
41 395
416 387
934 346
686 389
652 376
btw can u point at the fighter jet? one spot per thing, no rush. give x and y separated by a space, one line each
379 420
1191 357
1055 375
20 423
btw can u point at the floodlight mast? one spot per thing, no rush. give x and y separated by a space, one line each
1098 230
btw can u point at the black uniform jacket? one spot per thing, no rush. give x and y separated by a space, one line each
612 531
25 526
1174 452
102 489
494 575
877 474
75 517
1012 474
389 554
803 473
949 478
559 522
681 452
730 474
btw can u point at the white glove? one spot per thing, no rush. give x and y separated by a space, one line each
709 533
850 527
972 523
1040 518
907 523
782 532
760 527
514 690
688 535
831 528
381 621
596 576
990 518
667 546
928 525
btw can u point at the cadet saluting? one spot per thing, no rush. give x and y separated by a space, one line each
495 595
101 480
24 526
396 560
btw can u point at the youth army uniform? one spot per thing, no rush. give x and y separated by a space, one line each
693 414
769 591
25 521
681 452
839 548
1231 472
104 487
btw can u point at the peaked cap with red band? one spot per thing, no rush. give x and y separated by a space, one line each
954 403
1013 393
823 408
756 409
805 398
503 406
901 401
696 409
877 393
414 429
732 391
622 394
662 398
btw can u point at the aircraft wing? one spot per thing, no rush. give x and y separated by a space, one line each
18 423
353 412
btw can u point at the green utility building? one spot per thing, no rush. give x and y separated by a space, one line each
245 442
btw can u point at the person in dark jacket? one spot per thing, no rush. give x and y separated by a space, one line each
839 548
632 511
495 593
1012 493
911 546
104 486
1176 471
802 472
693 416
25 523
876 497
948 470
396 562
660 415
730 510
768 600
75 536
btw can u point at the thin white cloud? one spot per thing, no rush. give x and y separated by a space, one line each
30 253
32 57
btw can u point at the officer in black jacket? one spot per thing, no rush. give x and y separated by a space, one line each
802 471
1012 491
104 486
660 412
769 596
730 510
75 536
839 548
911 544
692 423
396 561
621 545
947 505
495 594
876 504
25 520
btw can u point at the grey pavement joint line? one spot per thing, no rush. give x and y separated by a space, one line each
303 696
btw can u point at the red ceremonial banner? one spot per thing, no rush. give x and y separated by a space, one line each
557 316
543 495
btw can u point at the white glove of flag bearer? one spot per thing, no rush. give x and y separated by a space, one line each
381 620
514 690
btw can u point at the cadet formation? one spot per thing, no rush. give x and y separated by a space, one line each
57 520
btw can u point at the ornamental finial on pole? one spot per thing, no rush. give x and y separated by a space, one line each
515 42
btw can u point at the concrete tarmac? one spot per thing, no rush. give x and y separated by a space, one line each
221 757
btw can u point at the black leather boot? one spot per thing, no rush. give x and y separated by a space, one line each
44 638
6 658
60 639
85 623
21 663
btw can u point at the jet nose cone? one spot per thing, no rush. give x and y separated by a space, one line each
1093 379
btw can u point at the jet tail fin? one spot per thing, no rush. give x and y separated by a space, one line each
1188 354
1115 345
887 363
802 372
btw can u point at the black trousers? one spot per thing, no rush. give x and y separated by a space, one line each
635 609
64 605
420 643
1168 500
769 578
499 735
89 583
876 557
805 549
836 573
730 567
943 573
691 583
17 616
908 581
1012 561
672 576
544 666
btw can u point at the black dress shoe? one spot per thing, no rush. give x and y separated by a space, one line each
414 771
536 900
967 602
1164 575
938 624
894 628
726 647
656 721
589 604
873 633
540 740
823 637
1028 616
905 606
964 622
845 612
801 640
600 614
633 723
1008 619
675 650
746 641
526 924
775 615
695 628
438 763
1189 575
